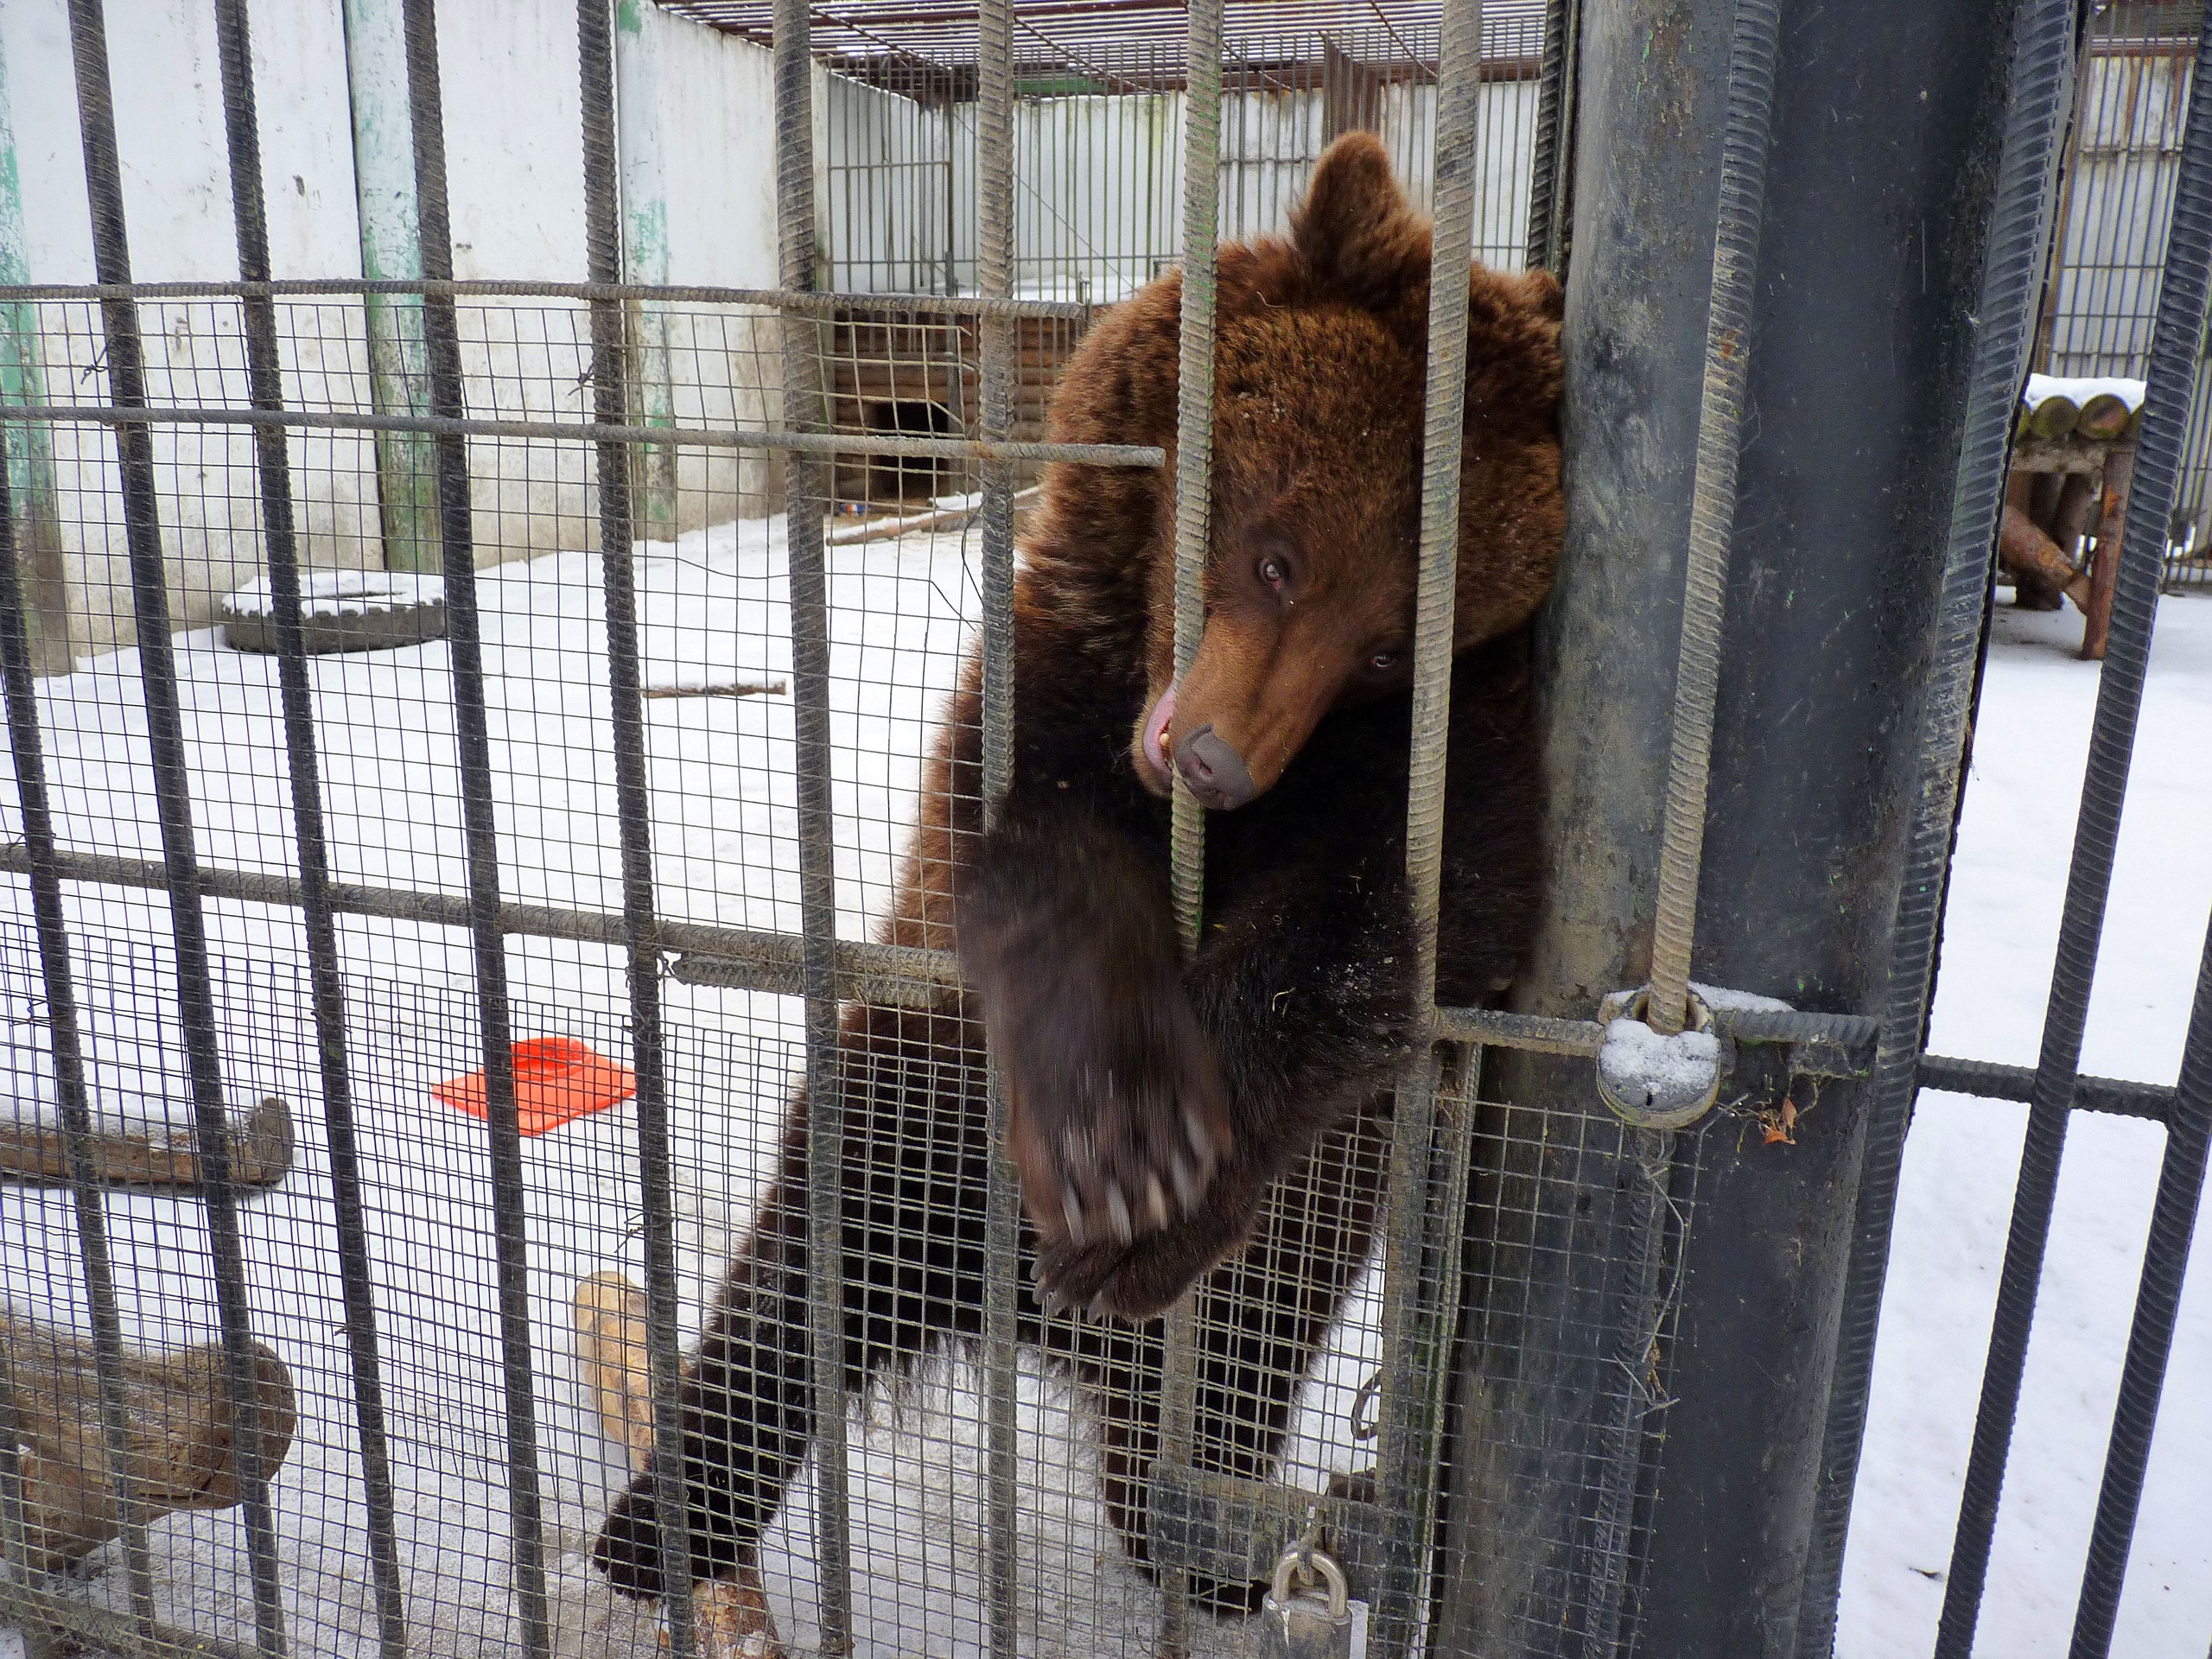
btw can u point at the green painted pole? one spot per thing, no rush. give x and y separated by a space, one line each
639 151
391 249
30 447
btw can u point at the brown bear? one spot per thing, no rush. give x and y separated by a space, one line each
1156 1103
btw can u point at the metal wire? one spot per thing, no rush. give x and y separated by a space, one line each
173 797
273 464
611 375
457 539
2177 338
825 1104
809 443
1713 502
2150 1337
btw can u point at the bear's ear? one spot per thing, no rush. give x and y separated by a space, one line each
1361 238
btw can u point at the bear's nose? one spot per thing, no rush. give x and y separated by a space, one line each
1215 771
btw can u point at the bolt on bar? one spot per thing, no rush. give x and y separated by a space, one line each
2175 336
70 1098
1002 1201
804 489
733 437
173 805
1411 1362
273 465
2150 1338
610 364
457 535
1193 516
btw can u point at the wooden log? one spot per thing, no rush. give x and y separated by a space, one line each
2078 500
2053 417
181 1452
2037 455
2033 557
2111 530
2104 417
610 1311
32 1155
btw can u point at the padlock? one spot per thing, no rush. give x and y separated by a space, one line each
1314 1623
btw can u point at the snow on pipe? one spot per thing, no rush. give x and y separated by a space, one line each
1712 502
172 801
810 613
2175 336
2041 74
273 469
473 744
611 367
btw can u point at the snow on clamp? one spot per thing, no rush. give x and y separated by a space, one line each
1652 1082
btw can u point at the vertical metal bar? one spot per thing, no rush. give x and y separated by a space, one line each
2175 339
170 763
1193 518
1713 502
2150 1342
266 381
70 1098
457 538
599 55
1412 1356
640 145
2038 82
809 611
28 447
383 192
1550 175
1003 1219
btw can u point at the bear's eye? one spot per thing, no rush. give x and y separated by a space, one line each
1274 571
1383 661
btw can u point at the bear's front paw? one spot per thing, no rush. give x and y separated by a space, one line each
1140 1282
1118 1116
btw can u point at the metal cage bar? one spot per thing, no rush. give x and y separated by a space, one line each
457 540
2177 337
273 467
611 381
825 1106
173 797
995 206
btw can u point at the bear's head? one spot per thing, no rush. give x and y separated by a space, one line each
1320 378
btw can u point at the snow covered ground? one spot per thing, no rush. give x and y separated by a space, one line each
726 850
1963 1155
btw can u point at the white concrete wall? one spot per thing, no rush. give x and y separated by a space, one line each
514 163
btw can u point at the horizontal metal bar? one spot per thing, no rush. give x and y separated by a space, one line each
1539 1032
746 958
735 437
2118 1096
778 299
28 1608
1829 1045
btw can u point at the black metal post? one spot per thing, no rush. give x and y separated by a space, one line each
273 459
1881 169
610 349
171 765
457 536
2176 346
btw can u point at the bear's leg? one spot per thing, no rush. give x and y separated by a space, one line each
915 1148
1263 1317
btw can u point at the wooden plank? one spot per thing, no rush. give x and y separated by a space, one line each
261 1155
2104 572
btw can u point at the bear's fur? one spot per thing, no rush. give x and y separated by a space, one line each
1156 1103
